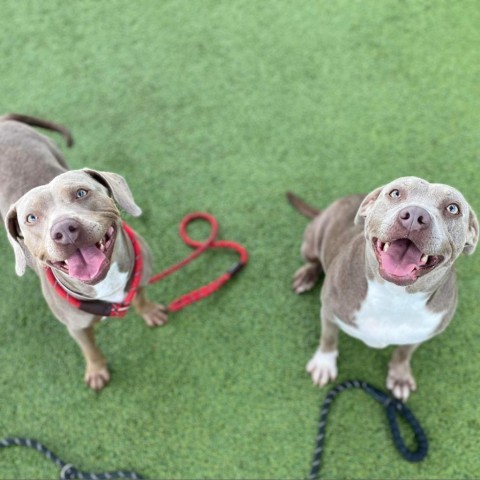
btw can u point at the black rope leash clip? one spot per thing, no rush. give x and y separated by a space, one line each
393 408
68 471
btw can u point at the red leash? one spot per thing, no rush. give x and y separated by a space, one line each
106 309
200 247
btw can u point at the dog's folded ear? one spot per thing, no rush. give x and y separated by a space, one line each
118 188
472 234
15 238
366 206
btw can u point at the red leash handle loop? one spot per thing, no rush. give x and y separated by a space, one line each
200 247
182 229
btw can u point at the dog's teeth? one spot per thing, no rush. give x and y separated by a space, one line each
386 246
424 259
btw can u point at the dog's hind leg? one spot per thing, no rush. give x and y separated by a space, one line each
154 314
307 276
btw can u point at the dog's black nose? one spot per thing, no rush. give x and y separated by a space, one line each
414 218
65 232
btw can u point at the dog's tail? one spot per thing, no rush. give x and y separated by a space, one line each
38 122
301 206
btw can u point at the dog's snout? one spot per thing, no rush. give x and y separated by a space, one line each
65 232
414 218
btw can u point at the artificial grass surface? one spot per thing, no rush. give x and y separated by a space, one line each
223 106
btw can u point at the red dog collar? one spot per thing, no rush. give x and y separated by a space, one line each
99 307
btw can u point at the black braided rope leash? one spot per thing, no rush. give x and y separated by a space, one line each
393 407
68 471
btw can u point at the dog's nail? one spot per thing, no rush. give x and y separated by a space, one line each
397 391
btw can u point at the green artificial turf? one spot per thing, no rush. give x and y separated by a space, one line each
223 106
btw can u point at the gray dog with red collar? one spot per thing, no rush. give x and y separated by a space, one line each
388 259
69 221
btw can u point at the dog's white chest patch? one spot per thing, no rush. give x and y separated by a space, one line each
112 287
390 315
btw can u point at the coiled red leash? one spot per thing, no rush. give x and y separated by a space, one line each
200 247
107 309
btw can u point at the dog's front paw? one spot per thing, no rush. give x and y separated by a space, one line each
97 377
323 367
401 381
154 314
305 277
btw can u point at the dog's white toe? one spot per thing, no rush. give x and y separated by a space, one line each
323 367
401 382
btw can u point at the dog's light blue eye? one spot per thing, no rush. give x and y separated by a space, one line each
81 193
395 193
453 209
31 218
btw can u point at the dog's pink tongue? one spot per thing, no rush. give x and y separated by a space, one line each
85 263
401 258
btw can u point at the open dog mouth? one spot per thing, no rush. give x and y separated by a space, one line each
89 263
402 262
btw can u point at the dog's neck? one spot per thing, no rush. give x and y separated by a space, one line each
114 286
